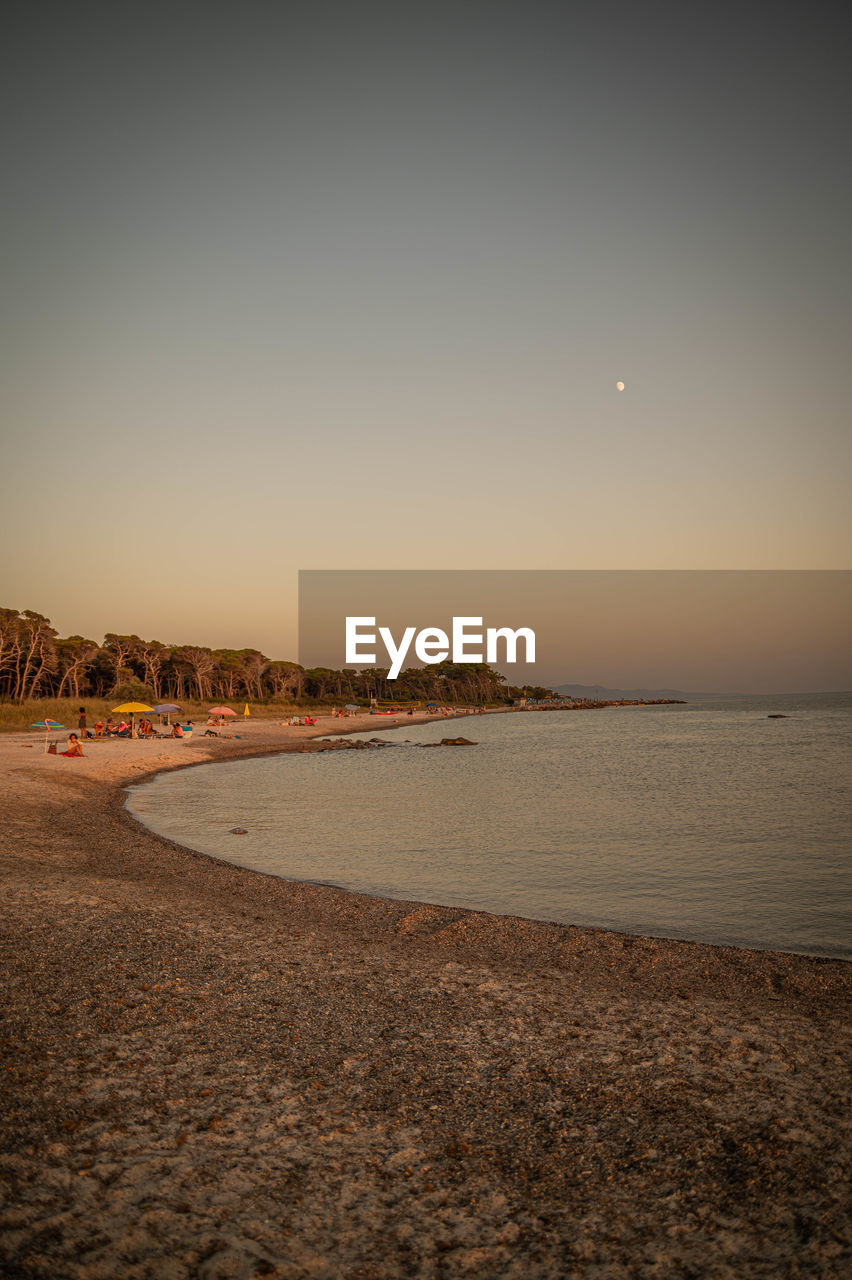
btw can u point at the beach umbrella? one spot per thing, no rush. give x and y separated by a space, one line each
133 709
351 706
221 711
163 709
48 726
246 711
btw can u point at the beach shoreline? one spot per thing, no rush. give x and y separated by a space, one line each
210 1071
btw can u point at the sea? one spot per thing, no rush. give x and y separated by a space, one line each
723 820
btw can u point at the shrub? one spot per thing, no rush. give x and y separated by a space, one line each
134 691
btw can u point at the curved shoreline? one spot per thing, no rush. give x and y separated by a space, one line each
235 754
213 1071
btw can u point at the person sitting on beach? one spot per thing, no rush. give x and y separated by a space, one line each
109 727
177 731
99 729
75 747
123 730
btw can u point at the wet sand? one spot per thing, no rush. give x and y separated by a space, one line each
209 1072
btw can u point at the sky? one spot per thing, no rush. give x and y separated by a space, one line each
316 286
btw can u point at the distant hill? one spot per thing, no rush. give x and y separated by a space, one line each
599 691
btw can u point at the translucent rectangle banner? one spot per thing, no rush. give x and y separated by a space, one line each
711 631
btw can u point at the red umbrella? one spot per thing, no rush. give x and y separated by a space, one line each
221 711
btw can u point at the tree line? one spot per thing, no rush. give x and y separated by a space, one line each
36 663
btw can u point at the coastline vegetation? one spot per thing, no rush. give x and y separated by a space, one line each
43 674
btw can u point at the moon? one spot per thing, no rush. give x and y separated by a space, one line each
619 386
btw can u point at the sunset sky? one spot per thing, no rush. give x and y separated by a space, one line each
351 285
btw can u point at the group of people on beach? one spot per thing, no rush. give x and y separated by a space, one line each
121 729
109 730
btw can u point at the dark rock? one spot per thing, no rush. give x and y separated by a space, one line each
458 742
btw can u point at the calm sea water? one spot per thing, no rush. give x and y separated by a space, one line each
708 821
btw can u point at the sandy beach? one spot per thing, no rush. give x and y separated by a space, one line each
211 1073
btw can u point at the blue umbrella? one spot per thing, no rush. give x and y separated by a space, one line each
47 725
164 708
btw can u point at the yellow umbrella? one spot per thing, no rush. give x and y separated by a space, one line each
131 709
246 712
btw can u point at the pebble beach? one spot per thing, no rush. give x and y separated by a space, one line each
208 1072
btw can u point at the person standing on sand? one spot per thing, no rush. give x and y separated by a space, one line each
81 723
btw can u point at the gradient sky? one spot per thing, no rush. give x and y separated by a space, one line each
351 285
